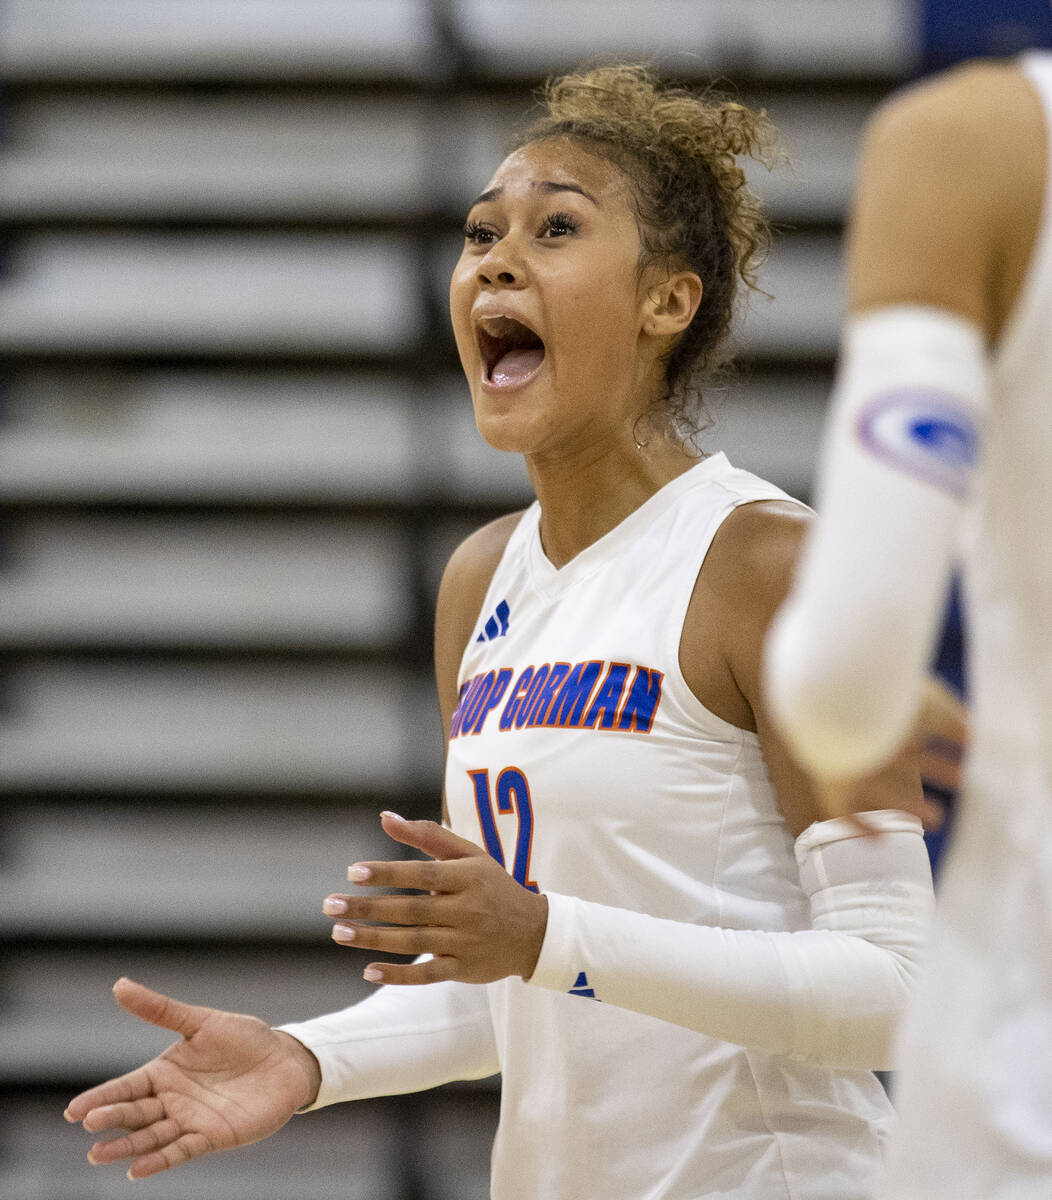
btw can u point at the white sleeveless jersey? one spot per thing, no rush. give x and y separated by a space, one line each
980 1038
580 758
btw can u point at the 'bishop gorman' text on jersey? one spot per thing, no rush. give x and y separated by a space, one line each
585 695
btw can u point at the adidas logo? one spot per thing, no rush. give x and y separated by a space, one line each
497 625
581 988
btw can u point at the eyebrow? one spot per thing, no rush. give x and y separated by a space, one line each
546 187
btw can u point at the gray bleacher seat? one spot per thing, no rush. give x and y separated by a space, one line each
523 38
209 293
151 724
190 435
215 581
238 871
802 317
230 39
169 155
771 425
459 464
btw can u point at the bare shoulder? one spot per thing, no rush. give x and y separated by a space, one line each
465 582
754 553
949 193
972 100
746 574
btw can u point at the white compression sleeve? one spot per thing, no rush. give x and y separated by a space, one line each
848 653
830 995
401 1039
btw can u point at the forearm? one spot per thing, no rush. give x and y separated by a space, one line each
830 995
849 652
400 1040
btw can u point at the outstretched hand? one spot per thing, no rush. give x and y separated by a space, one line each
477 922
229 1081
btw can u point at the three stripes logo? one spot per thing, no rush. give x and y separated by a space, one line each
497 625
581 988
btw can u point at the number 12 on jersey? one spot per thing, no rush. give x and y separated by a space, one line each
513 796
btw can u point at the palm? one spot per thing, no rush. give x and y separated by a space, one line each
230 1081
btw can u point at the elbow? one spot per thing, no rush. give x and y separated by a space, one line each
866 1039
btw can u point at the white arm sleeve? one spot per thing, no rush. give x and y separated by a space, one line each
830 995
401 1039
848 653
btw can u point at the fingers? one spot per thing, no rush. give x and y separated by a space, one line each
156 1147
182 1150
435 970
134 1086
159 1009
429 837
391 910
144 1141
389 939
135 1114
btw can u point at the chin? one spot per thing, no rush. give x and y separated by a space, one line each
509 431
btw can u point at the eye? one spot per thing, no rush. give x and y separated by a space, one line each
559 224
481 235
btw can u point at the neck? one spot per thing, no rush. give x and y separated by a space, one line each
584 498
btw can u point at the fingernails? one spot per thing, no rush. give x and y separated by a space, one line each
358 873
334 906
343 933
372 974
393 815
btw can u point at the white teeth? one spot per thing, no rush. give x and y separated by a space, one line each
498 327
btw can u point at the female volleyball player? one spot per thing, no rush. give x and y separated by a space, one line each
942 427
685 981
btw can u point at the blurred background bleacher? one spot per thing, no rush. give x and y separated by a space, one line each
235 451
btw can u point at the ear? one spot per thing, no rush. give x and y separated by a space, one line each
670 305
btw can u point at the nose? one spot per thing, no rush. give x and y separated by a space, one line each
504 277
501 267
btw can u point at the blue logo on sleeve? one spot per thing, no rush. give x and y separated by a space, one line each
497 625
581 988
927 434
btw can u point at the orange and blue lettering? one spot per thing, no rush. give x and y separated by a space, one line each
511 709
570 702
608 698
643 700
490 703
477 698
544 699
541 674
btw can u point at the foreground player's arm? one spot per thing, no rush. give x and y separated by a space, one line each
942 227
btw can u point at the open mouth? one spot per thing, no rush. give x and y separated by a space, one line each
511 351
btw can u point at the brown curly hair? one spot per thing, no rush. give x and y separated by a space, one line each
679 152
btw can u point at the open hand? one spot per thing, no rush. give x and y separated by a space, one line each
477 922
229 1081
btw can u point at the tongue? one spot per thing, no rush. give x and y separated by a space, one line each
516 365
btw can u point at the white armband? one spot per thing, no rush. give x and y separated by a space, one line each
848 653
830 995
401 1039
